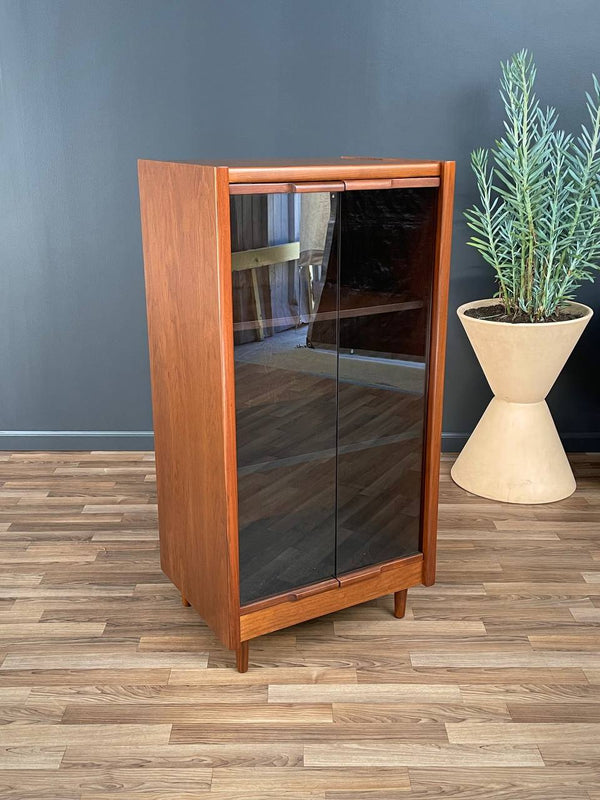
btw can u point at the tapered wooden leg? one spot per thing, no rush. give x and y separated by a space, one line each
400 603
241 656
184 602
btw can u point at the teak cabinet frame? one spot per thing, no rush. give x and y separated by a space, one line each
185 217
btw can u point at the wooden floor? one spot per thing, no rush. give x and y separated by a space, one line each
109 688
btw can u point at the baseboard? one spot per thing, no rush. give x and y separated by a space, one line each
76 440
144 440
572 442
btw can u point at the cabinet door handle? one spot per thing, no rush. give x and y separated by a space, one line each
321 186
368 183
260 188
371 572
315 588
360 575
414 183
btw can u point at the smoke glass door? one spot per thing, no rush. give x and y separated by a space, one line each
387 255
285 267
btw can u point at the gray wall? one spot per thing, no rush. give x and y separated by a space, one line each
89 86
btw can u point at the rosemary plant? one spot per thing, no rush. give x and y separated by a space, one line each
538 221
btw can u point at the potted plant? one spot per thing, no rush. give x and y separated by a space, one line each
538 225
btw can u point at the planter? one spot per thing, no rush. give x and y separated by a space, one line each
514 454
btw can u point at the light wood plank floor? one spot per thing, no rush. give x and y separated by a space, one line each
109 688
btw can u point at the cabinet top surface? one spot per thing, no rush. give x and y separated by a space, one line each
318 169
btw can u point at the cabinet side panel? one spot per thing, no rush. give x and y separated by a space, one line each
185 229
435 378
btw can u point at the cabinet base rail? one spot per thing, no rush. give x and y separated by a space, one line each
243 648
348 590
325 597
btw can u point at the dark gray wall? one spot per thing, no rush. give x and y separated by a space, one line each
89 86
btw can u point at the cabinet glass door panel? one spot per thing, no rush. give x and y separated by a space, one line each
284 259
387 254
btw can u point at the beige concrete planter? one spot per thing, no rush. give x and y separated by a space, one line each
514 454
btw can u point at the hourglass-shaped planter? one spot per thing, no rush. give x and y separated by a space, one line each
515 454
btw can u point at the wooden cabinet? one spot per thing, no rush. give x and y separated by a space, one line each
296 318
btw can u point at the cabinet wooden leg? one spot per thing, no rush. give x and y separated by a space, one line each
184 602
241 656
400 603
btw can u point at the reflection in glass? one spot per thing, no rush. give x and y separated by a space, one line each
284 255
331 302
384 291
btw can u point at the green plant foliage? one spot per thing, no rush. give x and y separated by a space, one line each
538 220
